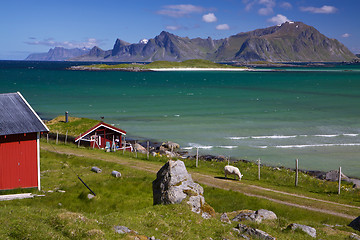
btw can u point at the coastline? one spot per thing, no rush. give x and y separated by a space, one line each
136 69
200 69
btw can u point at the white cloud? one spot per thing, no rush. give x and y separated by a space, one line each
180 10
346 35
267 6
278 19
210 17
173 28
265 11
286 5
222 27
91 42
324 9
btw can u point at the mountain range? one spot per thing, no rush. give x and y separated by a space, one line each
288 42
58 54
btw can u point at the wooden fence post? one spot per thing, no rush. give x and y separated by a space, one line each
57 137
197 157
135 149
339 180
259 162
124 146
47 138
79 141
296 172
66 136
147 150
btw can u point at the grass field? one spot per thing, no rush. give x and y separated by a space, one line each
65 212
128 201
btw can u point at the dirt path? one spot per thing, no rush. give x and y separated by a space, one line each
289 199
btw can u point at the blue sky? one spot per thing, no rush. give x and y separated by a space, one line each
38 25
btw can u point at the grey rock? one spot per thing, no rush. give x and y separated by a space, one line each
205 215
170 145
258 216
245 215
354 236
123 229
308 230
173 184
140 148
334 176
253 232
266 214
224 218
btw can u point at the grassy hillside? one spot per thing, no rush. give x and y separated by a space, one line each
127 201
65 212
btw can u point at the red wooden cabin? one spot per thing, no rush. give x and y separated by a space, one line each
105 136
20 129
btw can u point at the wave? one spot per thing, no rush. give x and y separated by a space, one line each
195 145
317 145
228 147
274 137
329 135
351 134
294 136
237 138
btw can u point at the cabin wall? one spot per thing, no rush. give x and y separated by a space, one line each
18 161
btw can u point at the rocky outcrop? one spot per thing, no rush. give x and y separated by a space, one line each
174 184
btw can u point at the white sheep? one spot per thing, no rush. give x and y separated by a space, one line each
231 170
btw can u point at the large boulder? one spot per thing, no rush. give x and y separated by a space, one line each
173 184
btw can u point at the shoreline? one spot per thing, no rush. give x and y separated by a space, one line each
200 69
136 69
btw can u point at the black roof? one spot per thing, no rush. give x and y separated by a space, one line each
17 116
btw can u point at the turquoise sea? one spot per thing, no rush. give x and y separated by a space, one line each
309 113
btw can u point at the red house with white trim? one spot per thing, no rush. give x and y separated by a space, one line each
104 136
20 129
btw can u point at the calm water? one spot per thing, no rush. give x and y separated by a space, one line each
308 113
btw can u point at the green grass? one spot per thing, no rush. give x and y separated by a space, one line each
128 201
74 126
193 63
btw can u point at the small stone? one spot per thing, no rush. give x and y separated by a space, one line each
60 204
61 191
50 191
122 229
90 196
205 215
224 218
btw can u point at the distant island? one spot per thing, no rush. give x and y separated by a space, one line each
193 64
287 42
